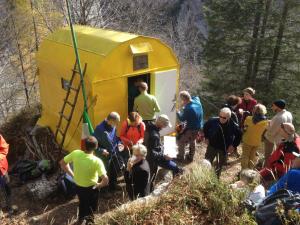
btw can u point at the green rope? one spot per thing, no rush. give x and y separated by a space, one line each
86 118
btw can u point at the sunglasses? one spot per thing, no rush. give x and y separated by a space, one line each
222 117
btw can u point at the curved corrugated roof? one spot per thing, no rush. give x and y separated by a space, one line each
98 41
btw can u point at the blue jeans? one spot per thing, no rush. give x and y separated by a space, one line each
169 165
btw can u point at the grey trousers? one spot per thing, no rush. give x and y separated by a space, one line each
220 156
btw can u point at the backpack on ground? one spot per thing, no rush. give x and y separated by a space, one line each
29 169
267 211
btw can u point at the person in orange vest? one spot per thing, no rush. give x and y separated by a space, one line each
4 178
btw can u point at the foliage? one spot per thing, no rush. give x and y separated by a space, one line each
253 43
206 200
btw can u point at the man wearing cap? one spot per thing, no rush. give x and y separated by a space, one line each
145 104
291 180
281 159
273 136
156 156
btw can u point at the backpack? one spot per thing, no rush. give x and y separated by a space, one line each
267 211
138 127
29 169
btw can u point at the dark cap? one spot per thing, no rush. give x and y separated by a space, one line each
280 103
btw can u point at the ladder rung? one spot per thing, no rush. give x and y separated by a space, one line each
65 117
75 71
60 131
74 89
69 103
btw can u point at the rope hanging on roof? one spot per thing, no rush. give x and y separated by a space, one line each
86 118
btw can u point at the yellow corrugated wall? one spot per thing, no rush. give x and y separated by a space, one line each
106 81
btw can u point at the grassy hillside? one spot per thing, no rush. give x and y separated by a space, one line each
198 197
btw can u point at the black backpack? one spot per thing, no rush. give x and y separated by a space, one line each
267 211
29 169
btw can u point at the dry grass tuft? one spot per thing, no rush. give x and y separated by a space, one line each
198 197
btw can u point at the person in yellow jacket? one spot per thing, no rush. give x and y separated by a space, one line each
254 128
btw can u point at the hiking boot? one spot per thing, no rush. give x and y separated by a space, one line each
179 173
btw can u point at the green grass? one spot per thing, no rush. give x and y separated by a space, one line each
196 198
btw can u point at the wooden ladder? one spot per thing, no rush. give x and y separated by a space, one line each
72 104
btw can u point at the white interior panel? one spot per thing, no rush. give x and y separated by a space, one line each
165 92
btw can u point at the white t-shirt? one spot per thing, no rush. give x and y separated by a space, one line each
273 130
258 194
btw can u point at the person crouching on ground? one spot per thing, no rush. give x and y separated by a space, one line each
156 156
250 179
137 175
222 136
291 180
132 133
87 170
254 128
281 159
192 115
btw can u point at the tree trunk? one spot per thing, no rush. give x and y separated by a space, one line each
34 27
254 41
24 80
272 71
260 42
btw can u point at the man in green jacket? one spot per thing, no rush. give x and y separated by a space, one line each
145 104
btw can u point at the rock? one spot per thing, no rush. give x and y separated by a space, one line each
42 188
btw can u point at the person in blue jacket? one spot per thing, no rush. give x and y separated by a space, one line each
291 180
192 117
110 147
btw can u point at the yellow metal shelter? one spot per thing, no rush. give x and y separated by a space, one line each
113 59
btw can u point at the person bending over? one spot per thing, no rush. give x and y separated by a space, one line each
156 156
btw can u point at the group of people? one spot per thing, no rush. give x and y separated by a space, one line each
138 151
135 154
244 121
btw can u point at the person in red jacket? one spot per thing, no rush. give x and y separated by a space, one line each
245 108
281 159
4 178
132 131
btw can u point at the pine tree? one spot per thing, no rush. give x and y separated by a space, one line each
253 42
